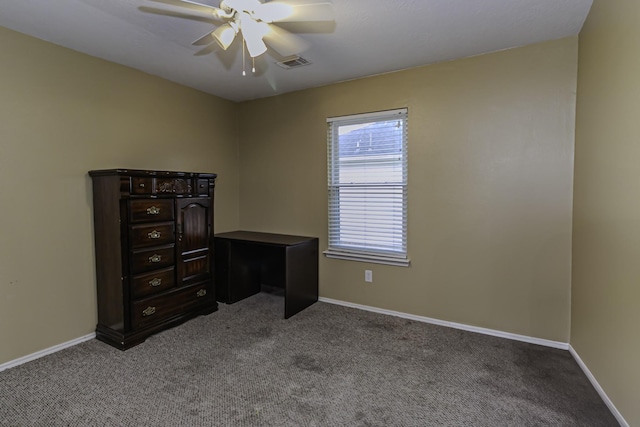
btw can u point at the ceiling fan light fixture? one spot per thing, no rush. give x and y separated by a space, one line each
225 34
255 46
253 31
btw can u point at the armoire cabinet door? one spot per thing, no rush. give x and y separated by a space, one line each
193 240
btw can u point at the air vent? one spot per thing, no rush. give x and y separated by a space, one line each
293 62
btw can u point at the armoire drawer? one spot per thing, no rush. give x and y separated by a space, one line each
156 234
142 185
156 309
147 210
153 282
151 259
202 186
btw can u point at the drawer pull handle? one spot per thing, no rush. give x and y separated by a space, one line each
155 234
153 210
201 293
148 311
155 282
155 258
142 185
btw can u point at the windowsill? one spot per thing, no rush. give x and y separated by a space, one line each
375 259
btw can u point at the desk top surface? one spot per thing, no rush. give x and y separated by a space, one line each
266 238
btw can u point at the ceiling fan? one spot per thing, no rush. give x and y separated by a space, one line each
254 21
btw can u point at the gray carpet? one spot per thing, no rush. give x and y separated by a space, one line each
327 366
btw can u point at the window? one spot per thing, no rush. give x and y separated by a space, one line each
367 159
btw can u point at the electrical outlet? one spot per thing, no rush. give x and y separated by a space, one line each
368 276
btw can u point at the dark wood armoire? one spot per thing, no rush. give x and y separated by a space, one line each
154 251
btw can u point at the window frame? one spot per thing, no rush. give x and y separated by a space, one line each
398 254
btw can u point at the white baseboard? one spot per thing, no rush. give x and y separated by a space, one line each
598 388
485 331
41 353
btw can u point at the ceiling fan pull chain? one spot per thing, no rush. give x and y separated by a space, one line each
244 73
253 68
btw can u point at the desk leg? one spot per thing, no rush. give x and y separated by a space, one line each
237 271
301 282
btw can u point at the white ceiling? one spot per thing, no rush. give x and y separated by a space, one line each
368 37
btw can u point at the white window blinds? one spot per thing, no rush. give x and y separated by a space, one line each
367 158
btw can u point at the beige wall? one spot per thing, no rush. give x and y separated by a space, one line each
491 149
606 242
62 114
490 185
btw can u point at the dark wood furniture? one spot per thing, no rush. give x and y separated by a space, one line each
154 251
247 262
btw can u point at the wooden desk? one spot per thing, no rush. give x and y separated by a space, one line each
247 262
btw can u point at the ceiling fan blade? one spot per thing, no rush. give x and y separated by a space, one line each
284 42
190 4
205 40
274 11
206 50
193 15
282 11
243 5
201 9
